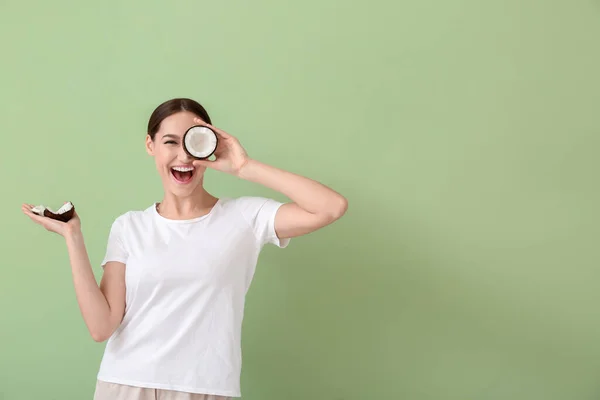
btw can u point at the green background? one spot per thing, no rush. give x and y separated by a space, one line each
464 134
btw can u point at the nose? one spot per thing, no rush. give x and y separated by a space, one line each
183 156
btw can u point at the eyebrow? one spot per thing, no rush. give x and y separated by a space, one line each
170 135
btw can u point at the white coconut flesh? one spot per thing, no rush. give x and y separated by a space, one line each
39 210
200 141
65 207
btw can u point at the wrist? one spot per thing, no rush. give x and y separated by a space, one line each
246 166
72 234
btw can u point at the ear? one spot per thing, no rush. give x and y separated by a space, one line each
149 145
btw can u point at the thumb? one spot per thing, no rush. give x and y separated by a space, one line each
202 163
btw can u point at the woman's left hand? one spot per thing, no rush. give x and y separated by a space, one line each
230 156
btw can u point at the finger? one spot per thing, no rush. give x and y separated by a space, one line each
28 209
221 149
220 132
198 121
35 219
203 163
33 216
47 223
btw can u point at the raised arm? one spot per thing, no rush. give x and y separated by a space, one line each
313 205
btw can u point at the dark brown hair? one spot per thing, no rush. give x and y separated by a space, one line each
174 106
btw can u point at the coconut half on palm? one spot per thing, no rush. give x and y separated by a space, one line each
64 213
200 142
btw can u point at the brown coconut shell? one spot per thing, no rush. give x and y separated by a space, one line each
64 214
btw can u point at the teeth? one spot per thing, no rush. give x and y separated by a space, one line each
183 169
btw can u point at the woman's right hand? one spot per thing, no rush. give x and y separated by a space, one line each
62 228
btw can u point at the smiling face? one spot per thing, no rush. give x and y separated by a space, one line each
173 164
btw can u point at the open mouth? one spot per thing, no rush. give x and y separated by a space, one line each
182 174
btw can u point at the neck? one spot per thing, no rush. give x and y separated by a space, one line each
193 206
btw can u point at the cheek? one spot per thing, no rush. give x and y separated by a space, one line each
162 158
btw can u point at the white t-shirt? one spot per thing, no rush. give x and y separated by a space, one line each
186 284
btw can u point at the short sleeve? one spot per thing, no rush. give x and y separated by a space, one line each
260 213
115 248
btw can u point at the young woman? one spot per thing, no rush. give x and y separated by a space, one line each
175 274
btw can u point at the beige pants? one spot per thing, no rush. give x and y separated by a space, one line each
114 391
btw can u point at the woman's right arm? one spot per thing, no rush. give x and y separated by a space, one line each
102 307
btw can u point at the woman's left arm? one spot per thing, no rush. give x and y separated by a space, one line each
313 205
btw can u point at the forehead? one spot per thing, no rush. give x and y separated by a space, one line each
177 124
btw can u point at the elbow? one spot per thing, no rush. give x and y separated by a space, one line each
338 208
99 337
103 330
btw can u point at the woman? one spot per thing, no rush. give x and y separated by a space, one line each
175 275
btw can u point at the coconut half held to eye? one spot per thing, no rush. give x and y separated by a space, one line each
64 214
200 142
